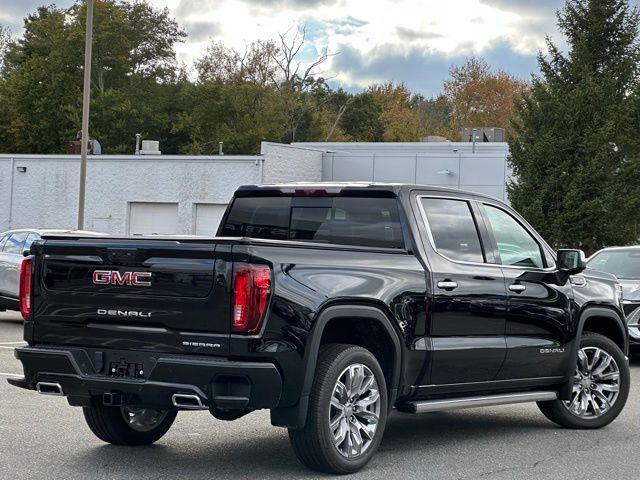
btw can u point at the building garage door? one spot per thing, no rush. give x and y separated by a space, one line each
208 218
153 218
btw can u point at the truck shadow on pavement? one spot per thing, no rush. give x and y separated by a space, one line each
267 454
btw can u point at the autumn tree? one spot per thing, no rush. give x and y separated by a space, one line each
576 150
400 123
434 115
479 97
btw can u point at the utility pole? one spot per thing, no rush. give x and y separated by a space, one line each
86 99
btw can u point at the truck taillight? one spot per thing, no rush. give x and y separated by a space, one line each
26 276
251 289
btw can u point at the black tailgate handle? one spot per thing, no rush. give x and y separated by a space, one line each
122 256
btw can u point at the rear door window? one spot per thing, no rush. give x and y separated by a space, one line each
15 243
453 229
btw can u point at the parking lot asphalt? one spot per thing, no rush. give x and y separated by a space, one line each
42 437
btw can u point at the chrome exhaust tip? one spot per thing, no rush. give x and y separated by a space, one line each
187 401
48 388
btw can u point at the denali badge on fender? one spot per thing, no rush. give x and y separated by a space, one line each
123 313
114 277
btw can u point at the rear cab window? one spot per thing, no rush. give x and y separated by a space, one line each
349 220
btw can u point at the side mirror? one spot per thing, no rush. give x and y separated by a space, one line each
571 262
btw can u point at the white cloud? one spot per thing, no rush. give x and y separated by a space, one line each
372 29
401 28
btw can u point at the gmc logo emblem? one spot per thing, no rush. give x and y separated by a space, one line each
113 277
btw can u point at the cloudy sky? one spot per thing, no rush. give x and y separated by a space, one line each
411 41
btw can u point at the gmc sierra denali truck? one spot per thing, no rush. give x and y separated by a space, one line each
329 304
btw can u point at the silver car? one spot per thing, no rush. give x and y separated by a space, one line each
13 245
624 263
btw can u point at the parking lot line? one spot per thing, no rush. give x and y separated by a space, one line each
10 374
13 343
7 348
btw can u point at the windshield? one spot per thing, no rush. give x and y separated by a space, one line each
624 264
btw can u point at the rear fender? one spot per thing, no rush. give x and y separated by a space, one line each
295 417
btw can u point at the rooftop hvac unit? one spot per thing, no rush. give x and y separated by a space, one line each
482 134
150 147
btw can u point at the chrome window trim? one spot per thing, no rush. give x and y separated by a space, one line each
423 214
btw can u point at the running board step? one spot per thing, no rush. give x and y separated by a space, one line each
439 405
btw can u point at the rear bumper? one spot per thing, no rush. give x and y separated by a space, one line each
83 376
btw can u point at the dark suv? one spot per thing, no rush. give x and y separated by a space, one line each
329 304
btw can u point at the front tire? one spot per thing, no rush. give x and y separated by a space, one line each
347 411
128 425
600 388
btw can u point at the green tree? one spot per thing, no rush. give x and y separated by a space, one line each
134 77
575 153
435 115
361 121
234 101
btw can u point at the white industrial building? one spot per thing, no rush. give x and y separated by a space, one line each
176 194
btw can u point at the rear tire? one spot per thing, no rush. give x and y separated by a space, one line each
348 400
612 385
118 425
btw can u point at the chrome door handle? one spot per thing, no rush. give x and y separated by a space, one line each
447 285
517 288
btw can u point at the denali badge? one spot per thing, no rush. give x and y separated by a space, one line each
113 277
551 350
123 313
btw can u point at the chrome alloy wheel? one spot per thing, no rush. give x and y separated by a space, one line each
142 419
596 384
355 410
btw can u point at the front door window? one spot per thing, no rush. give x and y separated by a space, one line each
515 245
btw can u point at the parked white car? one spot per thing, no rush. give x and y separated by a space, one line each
13 245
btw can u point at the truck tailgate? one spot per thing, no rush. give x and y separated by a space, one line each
160 295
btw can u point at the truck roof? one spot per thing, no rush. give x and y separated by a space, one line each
306 188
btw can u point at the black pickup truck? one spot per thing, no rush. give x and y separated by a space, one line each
330 305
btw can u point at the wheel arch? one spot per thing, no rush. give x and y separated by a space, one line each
323 331
604 321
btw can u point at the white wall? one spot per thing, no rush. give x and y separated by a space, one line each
481 169
287 163
46 195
